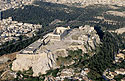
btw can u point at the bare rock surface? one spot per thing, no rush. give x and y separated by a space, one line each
40 63
4 59
116 13
120 30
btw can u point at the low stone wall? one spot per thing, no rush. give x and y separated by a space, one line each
29 56
76 47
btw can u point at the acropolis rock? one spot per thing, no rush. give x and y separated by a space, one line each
42 54
40 63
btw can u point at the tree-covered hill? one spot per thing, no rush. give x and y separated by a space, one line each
44 13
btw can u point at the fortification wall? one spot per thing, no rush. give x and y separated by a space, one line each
30 56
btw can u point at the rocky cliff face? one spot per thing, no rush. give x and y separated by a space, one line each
87 2
39 62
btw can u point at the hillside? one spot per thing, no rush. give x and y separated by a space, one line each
44 13
88 2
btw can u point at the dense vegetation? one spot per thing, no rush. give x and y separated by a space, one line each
17 46
26 76
45 13
104 56
42 14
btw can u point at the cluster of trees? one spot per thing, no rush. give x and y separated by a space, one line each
17 46
26 76
72 56
47 12
115 18
44 14
120 39
119 77
104 56
52 72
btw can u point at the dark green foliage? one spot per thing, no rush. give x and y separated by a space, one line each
105 56
28 72
94 75
66 79
115 18
75 54
17 46
99 31
53 72
1 72
119 77
86 56
120 40
10 65
44 14
32 79
27 76
117 66
72 16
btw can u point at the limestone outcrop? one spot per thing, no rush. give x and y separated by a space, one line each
87 2
43 56
40 63
120 30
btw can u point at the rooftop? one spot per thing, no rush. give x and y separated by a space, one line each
32 47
